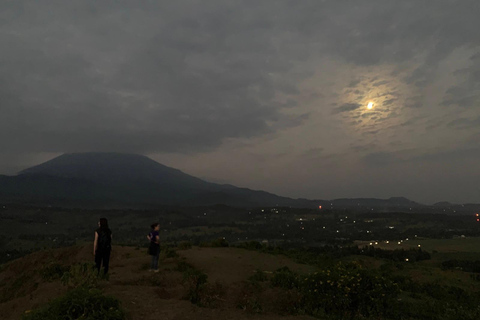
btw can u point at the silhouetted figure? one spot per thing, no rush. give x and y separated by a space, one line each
102 245
154 247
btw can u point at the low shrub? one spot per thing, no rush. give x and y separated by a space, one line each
285 278
168 252
184 245
79 303
464 265
249 298
210 295
81 275
217 243
53 271
349 291
220 242
250 245
195 281
345 291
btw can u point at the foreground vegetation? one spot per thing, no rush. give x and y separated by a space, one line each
79 303
382 287
406 267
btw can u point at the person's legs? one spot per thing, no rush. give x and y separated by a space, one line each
152 265
155 261
106 261
98 260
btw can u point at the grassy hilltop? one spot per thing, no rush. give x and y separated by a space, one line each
32 281
253 282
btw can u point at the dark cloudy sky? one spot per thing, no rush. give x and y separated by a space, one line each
263 94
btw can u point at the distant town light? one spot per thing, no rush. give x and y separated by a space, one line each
406 259
398 242
419 246
319 207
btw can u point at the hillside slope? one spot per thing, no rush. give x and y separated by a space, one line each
25 289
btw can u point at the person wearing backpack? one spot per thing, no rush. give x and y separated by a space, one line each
154 247
102 246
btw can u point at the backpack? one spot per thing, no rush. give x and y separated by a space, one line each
104 240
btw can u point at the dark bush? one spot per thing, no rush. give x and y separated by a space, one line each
81 275
195 281
184 245
464 265
53 271
217 243
80 303
285 278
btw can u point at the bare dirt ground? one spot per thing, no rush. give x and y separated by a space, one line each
230 265
147 295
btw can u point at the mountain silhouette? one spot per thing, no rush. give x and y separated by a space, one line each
118 179
113 180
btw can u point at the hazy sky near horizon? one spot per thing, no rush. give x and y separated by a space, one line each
268 95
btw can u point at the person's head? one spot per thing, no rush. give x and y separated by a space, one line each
103 223
155 226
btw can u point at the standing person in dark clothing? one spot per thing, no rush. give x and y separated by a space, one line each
102 246
154 248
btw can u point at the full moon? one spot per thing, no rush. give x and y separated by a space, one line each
370 105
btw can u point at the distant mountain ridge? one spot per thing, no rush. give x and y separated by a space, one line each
132 180
126 179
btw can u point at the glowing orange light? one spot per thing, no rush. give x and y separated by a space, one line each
320 207
478 220
476 214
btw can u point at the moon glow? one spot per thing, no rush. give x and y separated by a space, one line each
370 105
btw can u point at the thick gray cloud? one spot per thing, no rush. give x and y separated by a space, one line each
152 77
346 107
195 82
